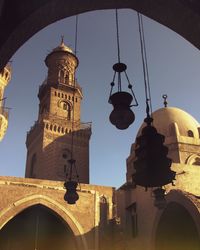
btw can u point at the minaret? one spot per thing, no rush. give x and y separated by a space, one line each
5 76
49 140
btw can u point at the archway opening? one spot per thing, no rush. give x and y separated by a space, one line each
176 230
37 227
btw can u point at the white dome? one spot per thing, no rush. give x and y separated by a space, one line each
165 119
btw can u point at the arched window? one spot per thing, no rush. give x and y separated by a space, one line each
190 133
51 127
62 76
66 106
47 126
58 129
103 210
55 128
67 79
197 161
32 168
58 94
62 130
62 95
55 93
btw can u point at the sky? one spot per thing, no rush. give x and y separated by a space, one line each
173 65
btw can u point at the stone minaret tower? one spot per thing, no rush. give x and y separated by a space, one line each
5 76
49 140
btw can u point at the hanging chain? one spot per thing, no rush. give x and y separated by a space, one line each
76 35
72 161
145 65
117 30
73 97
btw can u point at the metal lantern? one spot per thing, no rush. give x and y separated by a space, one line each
71 195
159 198
152 166
122 116
71 183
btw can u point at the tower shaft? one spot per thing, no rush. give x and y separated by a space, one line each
49 141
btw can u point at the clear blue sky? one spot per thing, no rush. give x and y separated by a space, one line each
174 69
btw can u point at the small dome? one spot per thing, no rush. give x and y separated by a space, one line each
63 47
165 119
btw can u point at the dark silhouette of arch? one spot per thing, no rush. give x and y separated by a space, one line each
176 230
37 227
15 24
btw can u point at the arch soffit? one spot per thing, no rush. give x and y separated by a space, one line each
173 14
10 212
184 200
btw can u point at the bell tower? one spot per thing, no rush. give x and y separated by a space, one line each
49 140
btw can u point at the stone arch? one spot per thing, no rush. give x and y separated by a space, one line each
183 200
8 213
193 159
172 14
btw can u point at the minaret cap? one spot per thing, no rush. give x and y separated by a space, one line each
63 47
59 51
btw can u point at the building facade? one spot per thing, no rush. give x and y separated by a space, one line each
33 213
5 76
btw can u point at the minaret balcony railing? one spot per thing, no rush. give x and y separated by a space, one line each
54 119
4 111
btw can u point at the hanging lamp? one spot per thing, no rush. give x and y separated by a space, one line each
122 116
159 198
72 179
71 196
152 166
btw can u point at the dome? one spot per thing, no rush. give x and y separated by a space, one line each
169 119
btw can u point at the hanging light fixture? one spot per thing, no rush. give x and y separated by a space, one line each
71 184
152 166
72 179
122 116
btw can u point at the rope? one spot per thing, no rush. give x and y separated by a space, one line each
144 63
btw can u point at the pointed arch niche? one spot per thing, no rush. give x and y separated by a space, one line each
40 221
178 225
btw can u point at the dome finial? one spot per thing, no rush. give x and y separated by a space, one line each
165 100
